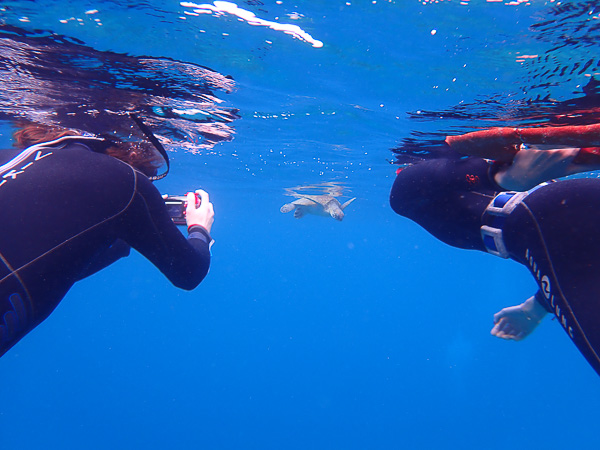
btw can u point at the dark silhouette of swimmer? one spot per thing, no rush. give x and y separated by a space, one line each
501 208
72 205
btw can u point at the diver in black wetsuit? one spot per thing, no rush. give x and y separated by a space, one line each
551 229
68 210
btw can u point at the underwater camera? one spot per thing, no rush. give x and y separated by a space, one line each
176 205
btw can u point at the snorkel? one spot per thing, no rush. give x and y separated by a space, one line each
155 142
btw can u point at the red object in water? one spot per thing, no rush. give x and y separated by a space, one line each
588 155
501 144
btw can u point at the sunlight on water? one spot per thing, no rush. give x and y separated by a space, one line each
219 8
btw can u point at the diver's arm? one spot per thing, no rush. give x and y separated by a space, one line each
119 249
149 229
517 322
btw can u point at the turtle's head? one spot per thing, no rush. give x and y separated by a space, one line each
337 215
334 210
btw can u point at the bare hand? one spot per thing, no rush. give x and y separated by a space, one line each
203 214
533 165
517 322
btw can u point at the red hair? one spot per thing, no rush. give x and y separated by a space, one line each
136 154
28 135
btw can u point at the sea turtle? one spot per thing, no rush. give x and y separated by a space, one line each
320 205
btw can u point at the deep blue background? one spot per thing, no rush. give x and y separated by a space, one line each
307 334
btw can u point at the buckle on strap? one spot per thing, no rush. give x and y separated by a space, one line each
499 209
493 242
504 203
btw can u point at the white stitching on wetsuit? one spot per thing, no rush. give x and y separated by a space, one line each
30 150
134 190
16 276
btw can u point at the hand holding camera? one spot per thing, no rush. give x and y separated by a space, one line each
193 209
199 210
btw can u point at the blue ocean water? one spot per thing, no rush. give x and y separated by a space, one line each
312 333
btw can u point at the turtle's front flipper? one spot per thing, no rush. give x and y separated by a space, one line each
348 202
287 207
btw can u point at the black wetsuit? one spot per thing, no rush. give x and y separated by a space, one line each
553 231
68 211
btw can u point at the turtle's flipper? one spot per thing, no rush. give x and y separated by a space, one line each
299 212
348 202
287 207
